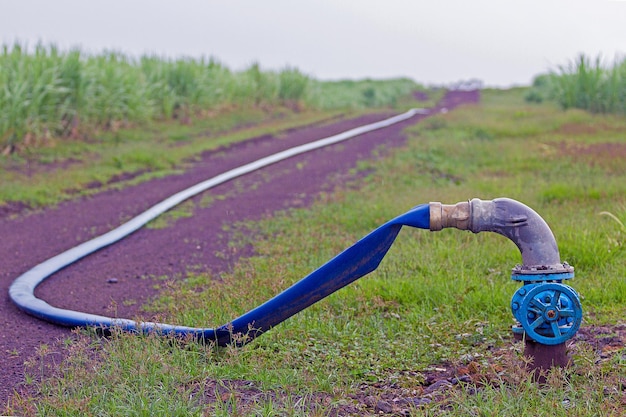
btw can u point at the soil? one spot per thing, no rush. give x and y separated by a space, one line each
117 280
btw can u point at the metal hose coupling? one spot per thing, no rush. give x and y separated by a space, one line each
547 311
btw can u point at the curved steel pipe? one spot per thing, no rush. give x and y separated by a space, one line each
509 218
547 312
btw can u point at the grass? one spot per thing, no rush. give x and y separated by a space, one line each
44 176
366 93
439 301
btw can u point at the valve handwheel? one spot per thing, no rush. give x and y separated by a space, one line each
550 313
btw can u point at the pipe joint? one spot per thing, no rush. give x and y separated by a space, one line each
449 215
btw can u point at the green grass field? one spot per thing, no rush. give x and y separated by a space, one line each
438 301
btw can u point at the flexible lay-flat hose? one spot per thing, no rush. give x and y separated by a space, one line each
355 262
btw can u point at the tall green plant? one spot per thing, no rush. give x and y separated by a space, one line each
53 93
33 95
588 84
293 85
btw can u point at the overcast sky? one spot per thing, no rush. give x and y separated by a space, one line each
502 42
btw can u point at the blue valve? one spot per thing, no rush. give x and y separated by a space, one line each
548 312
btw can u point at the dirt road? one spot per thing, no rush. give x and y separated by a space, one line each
197 242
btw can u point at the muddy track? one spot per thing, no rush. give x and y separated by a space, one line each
117 280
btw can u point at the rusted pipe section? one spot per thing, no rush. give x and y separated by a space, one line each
543 357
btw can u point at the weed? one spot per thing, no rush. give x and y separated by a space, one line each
614 217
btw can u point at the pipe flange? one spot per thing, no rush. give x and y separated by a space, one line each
543 269
542 273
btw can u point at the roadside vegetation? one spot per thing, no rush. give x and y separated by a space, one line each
48 94
428 333
584 83
72 123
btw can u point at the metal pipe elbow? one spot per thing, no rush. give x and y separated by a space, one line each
509 218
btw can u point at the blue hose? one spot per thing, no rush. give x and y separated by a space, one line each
358 260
